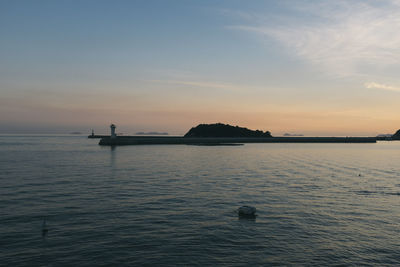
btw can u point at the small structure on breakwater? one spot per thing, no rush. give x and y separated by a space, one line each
113 135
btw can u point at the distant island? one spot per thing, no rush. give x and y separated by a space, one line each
289 134
384 135
151 133
224 130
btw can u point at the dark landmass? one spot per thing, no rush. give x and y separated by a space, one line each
396 136
289 134
171 140
75 133
224 130
151 133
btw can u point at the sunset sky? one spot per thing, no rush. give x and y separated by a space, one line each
310 67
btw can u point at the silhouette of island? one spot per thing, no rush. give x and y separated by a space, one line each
224 130
290 134
384 135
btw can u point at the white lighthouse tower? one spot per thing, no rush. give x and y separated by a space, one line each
113 135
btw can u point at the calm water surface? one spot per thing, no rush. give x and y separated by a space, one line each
167 205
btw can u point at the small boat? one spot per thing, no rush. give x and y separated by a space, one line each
247 211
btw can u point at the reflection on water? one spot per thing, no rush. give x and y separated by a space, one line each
112 156
169 205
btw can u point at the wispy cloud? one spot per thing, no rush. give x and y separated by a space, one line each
381 86
211 85
342 37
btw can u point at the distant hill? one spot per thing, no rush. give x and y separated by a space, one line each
396 136
224 130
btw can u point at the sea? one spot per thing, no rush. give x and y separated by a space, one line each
176 205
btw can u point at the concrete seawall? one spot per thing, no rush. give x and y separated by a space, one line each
151 140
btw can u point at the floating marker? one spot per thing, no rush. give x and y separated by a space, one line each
247 211
44 228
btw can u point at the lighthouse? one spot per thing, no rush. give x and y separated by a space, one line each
113 135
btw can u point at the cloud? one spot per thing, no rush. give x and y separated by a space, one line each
212 85
381 86
343 38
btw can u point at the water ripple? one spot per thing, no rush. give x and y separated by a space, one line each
318 204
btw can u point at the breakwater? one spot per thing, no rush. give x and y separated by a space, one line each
170 140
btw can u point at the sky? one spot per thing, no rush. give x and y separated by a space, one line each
319 68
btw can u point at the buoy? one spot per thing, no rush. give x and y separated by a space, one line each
44 228
247 211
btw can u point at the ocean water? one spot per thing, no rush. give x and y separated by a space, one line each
168 205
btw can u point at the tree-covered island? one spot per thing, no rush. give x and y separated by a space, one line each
224 130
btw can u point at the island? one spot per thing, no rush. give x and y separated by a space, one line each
75 133
223 130
290 134
221 134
